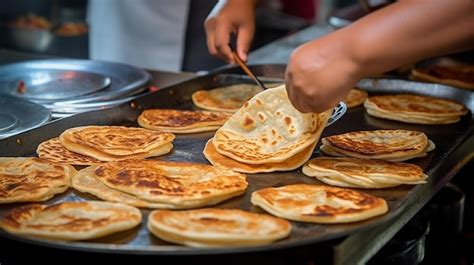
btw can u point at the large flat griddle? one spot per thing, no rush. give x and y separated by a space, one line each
449 139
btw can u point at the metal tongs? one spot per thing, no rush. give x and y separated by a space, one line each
245 67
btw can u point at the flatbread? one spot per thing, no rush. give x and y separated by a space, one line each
31 179
415 109
229 98
217 227
182 121
181 184
268 129
292 163
71 220
318 203
459 76
52 150
363 173
84 181
111 143
394 145
355 97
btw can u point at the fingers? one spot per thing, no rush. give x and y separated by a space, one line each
221 42
244 40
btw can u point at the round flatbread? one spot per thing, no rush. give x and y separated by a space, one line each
415 109
229 98
217 227
454 75
182 121
363 173
71 220
355 97
30 179
111 143
52 150
268 129
378 144
318 203
292 163
181 184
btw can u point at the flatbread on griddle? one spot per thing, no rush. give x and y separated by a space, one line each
182 184
229 98
52 150
318 203
292 163
217 227
453 75
182 121
71 220
363 173
111 143
31 179
355 97
268 129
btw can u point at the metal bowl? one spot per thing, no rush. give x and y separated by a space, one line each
35 40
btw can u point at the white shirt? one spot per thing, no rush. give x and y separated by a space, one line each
145 33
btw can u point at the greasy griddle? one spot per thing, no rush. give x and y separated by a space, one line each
189 147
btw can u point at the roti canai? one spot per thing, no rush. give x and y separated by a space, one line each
229 98
355 97
52 150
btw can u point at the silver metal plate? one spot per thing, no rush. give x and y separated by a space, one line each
52 84
18 115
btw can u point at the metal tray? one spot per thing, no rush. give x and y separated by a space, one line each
189 148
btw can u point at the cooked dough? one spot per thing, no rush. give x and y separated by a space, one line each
71 220
219 160
229 98
415 109
181 184
363 173
52 150
217 227
30 179
268 129
455 75
318 203
182 121
111 143
355 97
393 145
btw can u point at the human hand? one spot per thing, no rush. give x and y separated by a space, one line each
229 17
319 74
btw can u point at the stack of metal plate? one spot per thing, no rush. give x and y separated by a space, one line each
67 86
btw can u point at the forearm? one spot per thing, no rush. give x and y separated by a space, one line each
408 31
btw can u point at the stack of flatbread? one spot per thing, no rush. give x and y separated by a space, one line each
71 220
182 121
217 227
229 98
392 145
89 145
318 203
415 109
30 179
160 184
355 97
266 134
363 173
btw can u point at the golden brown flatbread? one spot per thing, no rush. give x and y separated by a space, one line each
268 129
363 173
52 150
31 179
185 185
318 203
71 220
182 121
111 143
355 97
229 98
217 227
292 163
454 75
415 109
